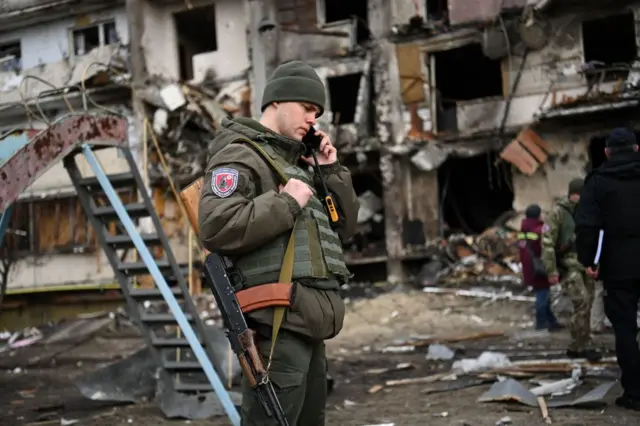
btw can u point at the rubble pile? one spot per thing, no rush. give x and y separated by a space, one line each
489 257
184 119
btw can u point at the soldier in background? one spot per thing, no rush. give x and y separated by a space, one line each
561 263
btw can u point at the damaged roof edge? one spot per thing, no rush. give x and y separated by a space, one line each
587 109
46 11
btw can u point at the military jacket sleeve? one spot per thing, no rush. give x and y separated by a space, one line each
339 183
239 211
549 241
588 223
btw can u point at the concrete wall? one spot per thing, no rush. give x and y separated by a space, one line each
51 42
59 270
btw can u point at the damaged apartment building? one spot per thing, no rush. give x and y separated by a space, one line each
503 104
61 57
453 118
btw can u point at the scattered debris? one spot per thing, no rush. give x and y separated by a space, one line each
486 361
184 121
439 352
489 257
512 390
481 294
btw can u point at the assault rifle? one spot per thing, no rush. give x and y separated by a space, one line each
217 271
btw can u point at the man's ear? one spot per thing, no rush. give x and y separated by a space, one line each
635 148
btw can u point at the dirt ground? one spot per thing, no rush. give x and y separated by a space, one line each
46 395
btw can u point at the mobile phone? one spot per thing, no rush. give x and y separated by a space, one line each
311 141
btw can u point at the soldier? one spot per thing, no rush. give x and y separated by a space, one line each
247 212
561 263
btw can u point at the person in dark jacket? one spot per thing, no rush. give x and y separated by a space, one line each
530 250
610 201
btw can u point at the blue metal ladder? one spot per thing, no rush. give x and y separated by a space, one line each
180 359
5 218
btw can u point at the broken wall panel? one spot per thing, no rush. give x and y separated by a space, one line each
306 45
527 152
552 179
301 14
470 11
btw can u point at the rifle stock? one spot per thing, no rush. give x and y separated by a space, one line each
217 273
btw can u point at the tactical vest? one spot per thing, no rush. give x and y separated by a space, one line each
317 248
565 241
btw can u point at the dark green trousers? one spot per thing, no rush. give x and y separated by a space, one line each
299 375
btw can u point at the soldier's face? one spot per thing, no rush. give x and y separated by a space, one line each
295 119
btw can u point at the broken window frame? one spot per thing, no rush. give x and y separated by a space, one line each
102 35
185 64
37 222
362 120
69 217
321 19
14 64
608 74
427 12
430 59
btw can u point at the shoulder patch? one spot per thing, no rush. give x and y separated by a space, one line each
224 181
545 228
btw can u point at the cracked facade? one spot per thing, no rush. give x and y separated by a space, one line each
470 113
451 117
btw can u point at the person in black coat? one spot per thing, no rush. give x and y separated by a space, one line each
610 202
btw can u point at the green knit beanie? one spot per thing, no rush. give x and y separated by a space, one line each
294 81
575 186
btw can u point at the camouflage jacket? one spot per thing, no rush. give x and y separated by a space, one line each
558 239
